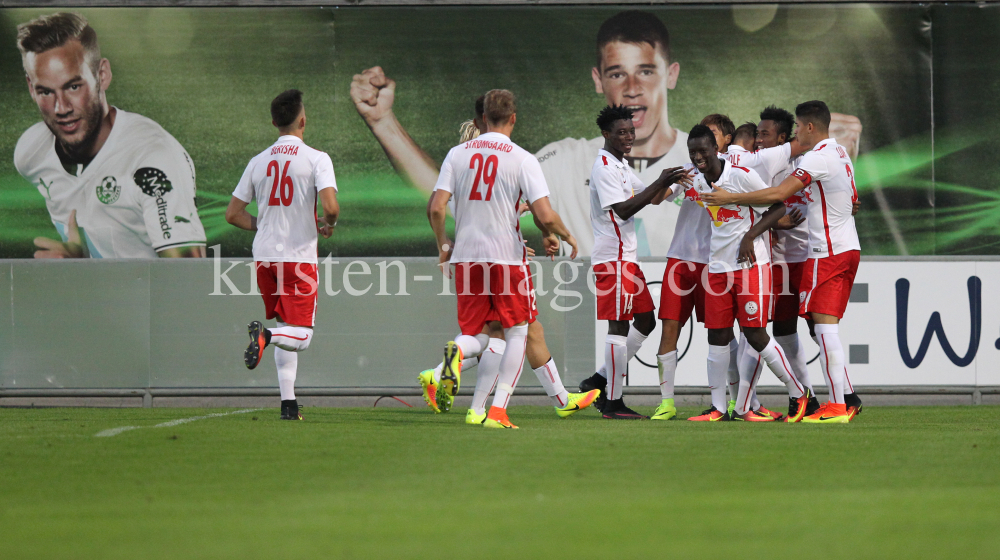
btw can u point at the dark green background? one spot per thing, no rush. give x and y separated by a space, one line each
208 75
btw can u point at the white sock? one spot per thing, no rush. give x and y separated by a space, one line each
831 357
510 364
615 360
778 364
288 363
718 363
470 345
293 339
733 371
848 386
796 358
667 364
750 367
548 375
487 374
633 342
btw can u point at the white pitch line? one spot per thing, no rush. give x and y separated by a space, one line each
115 431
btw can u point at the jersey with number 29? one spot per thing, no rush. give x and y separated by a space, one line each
486 177
285 179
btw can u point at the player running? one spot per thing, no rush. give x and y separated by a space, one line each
616 195
739 286
487 177
826 175
286 179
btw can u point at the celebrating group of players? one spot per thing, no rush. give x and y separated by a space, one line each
722 264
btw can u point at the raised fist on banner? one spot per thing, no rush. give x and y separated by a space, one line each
373 94
846 130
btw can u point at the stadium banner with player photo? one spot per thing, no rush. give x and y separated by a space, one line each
908 84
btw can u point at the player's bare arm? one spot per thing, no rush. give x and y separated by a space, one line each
748 256
674 180
542 210
550 241
659 190
237 215
763 197
373 94
437 210
790 220
331 212
73 248
189 252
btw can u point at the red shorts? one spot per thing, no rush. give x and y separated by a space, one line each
826 284
786 298
290 291
743 295
682 290
621 291
506 295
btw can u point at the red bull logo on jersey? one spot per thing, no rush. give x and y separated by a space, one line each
801 198
722 215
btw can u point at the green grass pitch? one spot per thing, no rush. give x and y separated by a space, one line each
907 482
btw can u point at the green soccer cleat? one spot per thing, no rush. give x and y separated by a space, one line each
665 411
451 375
430 389
577 402
731 408
473 417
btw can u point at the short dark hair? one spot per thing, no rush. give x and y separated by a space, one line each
498 106
613 113
702 131
745 130
286 107
724 123
815 112
782 119
48 32
480 106
634 26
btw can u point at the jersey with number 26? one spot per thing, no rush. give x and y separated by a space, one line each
285 180
487 176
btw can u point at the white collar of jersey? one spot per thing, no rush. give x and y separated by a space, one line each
824 143
737 148
618 163
287 138
493 134
726 171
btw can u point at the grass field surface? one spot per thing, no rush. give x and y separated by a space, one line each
906 482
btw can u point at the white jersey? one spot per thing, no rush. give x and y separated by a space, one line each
286 179
612 181
731 222
774 165
567 164
692 239
828 176
487 176
136 197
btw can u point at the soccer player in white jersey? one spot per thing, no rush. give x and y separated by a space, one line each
634 68
828 174
286 179
616 196
723 129
487 177
739 286
116 184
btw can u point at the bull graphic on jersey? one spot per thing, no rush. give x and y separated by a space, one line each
152 181
802 198
109 190
721 215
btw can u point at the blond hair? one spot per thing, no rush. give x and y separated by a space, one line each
468 130
52 31
498 106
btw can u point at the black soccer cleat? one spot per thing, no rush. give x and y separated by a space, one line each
813 405
259 339
600 383
853 403
616 410
290 410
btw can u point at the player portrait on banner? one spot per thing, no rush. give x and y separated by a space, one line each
115 183
634 68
